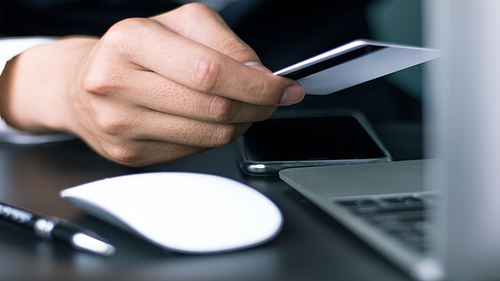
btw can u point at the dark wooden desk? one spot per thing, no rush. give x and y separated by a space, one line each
311 246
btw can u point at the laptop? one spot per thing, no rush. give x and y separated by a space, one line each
437 218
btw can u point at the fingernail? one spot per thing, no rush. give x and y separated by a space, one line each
293 94
258 66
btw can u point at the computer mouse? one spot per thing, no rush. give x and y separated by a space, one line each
182 212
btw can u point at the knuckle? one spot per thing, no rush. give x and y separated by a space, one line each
222 110
205 74
118 34
264 94
196 9
237 49
124 31
267 113
126 36
104 70
110 123
224 135
126 155
98 81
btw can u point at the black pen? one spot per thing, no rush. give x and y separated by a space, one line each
49 227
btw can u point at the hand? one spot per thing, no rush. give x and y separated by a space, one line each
149 91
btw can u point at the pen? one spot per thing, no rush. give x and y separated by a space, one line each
49 227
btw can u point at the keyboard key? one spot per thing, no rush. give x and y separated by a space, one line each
408 200
357 202
396 217
397 227
386 208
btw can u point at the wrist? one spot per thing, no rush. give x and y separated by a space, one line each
35 86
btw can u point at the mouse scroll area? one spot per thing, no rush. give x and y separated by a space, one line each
182 212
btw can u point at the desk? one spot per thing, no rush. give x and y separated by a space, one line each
311 246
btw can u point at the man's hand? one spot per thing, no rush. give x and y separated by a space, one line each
149 91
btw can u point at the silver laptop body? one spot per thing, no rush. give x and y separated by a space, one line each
377 202
461 229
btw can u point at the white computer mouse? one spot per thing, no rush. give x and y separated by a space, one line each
182 212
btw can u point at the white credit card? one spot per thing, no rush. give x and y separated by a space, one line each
354 63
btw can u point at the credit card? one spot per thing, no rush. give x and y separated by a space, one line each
354 63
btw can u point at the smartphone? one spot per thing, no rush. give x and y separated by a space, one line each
354 63
278 143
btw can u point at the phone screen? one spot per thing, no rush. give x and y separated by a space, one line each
275 144
291 142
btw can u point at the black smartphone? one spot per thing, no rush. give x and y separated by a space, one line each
278 143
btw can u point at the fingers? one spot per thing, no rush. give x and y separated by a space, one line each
135 124
149 90
113 120
139 137
185 131
150 46
186 21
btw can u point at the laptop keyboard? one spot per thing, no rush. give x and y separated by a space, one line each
401 216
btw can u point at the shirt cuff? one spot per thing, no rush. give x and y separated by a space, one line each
9 48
